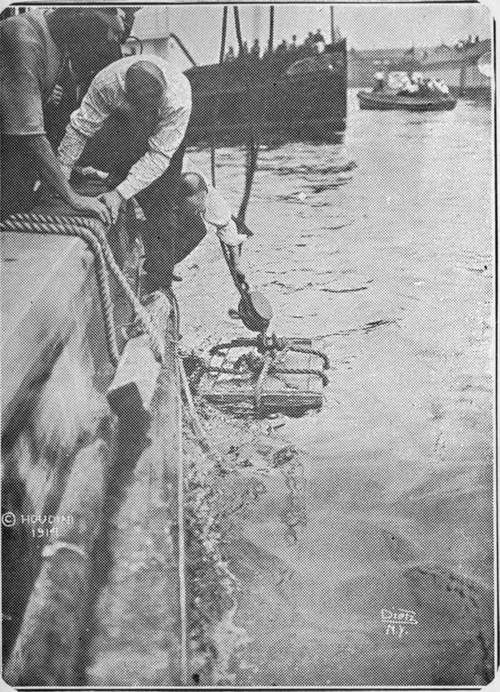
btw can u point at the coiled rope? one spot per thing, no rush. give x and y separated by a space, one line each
91 231
31 225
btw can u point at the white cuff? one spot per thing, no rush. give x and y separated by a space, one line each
229 234
217 210
125 189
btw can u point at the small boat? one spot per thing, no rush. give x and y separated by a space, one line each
388 101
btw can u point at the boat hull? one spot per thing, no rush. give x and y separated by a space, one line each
384 102
265 98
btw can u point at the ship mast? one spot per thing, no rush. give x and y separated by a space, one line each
332 25
271 30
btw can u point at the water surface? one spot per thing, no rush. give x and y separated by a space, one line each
381 249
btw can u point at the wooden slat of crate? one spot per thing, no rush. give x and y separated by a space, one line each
280 390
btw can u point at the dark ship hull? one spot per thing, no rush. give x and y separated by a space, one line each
289 96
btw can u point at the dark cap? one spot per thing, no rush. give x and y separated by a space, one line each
144 83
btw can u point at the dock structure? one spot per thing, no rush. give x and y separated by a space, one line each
90 481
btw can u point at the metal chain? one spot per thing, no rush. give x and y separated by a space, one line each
20 223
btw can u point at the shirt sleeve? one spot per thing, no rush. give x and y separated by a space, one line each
84 123
229 234
217 212
161 147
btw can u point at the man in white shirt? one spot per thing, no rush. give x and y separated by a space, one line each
131 123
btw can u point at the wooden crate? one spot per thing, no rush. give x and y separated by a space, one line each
290 393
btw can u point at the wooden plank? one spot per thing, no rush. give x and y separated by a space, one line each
135 379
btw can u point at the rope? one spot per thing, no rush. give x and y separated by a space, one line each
260 382
271 30
180 507
75 224
29 224
215 105
142 314
252 156
224 34
237 26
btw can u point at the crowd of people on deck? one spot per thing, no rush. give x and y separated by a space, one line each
411 85
313 43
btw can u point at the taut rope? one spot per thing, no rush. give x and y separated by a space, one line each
92 232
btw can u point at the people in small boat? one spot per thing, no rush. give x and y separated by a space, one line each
35 50
379 79
410 89
131 126
441 87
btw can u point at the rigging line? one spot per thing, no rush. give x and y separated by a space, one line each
212 157
252 154
183 48
237 26
271 30
180 505
223 35
215 105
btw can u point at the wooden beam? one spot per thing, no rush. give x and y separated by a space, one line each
46 649
137 372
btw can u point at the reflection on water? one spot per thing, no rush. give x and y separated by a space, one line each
382 249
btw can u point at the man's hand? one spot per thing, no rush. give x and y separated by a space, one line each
91 205
113 201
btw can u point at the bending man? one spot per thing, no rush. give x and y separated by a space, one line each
131 124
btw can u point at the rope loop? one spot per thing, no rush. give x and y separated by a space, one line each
92 232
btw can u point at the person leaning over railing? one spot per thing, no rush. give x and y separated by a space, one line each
131 125
34 49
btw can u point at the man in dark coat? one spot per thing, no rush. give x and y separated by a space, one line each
35 49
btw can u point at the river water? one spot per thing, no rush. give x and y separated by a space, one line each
381 249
